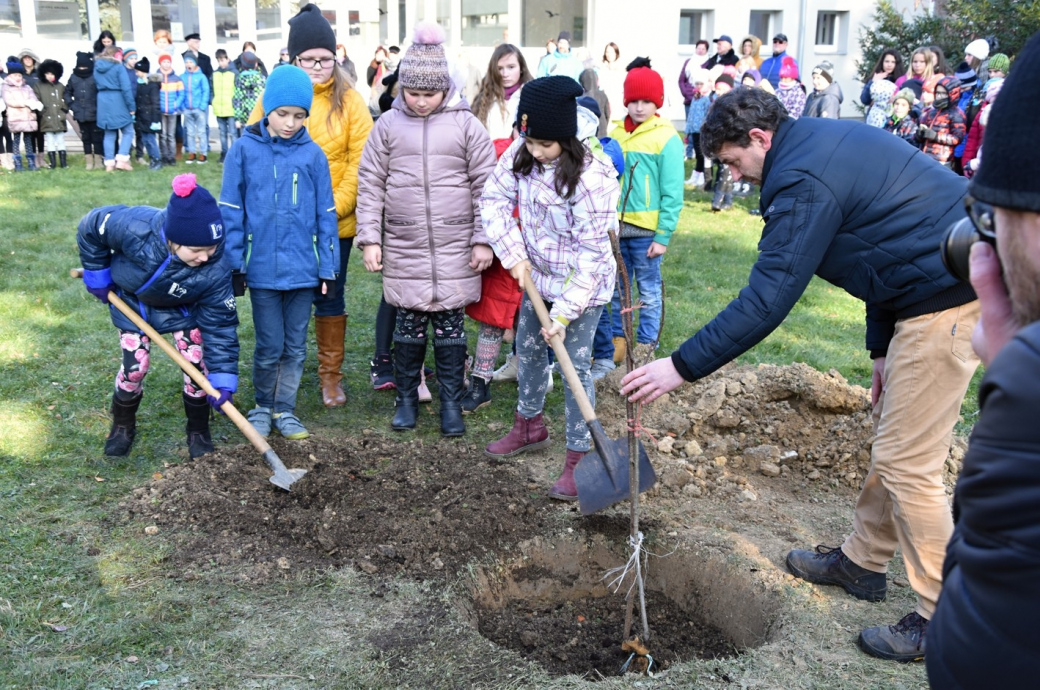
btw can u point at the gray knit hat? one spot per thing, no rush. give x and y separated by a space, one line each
424 66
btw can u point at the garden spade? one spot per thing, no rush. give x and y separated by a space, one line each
283 478
602 477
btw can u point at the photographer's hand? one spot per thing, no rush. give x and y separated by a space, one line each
996 323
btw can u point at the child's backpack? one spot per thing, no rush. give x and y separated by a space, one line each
248 87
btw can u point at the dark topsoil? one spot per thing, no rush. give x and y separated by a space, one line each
425 509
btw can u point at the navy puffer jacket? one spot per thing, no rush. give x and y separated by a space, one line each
81 95
856 206
984 632
168 293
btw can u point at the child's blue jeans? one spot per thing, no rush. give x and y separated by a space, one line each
126 140
149 140
280 319
226 132
195 131
645 276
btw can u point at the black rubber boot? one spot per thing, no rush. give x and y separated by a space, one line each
408 362
451 373
197 412
478 395
124 426
52 156
63 156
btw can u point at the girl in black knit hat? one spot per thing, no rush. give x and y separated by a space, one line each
568 199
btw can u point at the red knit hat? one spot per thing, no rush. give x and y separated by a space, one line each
644 84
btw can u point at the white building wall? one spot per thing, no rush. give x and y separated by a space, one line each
646 27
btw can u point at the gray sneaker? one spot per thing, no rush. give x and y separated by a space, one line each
289 426
904 641
260 418
602 367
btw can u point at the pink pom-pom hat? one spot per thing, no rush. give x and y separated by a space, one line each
192 216
424 66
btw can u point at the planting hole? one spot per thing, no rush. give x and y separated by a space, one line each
551 605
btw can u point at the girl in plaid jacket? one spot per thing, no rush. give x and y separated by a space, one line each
568 200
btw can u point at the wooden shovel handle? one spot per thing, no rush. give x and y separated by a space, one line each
243 424
577 390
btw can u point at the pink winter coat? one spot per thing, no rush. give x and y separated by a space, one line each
22 106
426 174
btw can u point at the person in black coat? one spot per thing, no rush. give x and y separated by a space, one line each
148 116
984 633
170 267
876 236
81 97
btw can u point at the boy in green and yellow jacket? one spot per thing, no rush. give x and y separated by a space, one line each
223 93
655 172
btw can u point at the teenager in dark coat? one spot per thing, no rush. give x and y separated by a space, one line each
81 97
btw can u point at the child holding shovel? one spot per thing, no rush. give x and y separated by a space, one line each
568 200
169 266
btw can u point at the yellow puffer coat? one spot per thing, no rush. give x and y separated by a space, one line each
342 140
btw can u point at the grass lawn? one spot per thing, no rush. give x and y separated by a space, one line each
83 601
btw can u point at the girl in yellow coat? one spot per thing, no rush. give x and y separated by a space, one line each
339 123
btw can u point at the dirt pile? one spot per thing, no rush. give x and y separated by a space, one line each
740 426
425 509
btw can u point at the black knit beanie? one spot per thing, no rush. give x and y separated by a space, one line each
1010 173
309 29
548 109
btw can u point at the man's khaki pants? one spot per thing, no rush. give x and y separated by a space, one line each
903 502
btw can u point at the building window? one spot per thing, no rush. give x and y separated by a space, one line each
227 21
545 19
484 22
268 20
115 16
61 19
10 17
693 27
832 30
179 17
765 24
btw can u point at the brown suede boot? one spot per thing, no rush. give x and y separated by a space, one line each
330 331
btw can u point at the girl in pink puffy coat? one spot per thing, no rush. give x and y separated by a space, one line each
423 168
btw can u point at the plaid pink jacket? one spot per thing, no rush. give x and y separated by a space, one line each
565 240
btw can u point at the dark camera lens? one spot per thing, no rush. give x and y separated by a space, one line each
956 247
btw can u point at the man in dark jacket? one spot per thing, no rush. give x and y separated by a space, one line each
984 632
724 54
876 236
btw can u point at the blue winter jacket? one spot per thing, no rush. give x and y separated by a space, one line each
126 245
196 91
856 206
276 201
115 99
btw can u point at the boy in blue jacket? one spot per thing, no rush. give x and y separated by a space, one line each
171 100
196 111
283 241
169 265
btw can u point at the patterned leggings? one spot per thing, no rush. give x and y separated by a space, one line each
137 359
489 342
448 326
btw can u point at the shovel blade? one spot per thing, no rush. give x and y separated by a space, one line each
282 478
603 481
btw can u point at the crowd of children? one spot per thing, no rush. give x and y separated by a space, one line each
451 231
117 101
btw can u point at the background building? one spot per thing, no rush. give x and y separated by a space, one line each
666 30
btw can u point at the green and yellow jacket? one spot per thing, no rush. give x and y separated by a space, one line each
657 185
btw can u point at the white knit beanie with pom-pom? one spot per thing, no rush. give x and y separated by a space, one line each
424 66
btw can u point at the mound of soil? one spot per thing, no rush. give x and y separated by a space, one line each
425 509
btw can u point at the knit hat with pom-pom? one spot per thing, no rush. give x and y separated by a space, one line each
192 216
643 84
788 68
424 66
